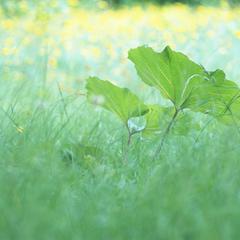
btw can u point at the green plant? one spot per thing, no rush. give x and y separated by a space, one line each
187 85
120 101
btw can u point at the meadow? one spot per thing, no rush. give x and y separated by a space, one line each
66 169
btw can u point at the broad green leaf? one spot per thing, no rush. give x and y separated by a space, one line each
213 96
120 101
185 83
169 71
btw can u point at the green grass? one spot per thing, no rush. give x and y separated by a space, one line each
66 176
190 192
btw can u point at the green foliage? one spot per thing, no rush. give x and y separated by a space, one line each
186 84
215 95
81 154
120 101
172 73
156 119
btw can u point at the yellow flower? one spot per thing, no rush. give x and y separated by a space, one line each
6 51
23 5
7 24
96 52
73 3
52 62
237 34
102 4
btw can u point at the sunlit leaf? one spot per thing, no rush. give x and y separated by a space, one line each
120 101
213 96
185 83
168 71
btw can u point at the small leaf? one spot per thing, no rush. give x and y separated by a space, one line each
157 119
137 124
213 96
120 101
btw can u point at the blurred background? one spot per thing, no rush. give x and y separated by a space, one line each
11 6
65 41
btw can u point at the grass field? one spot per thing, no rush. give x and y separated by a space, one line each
64 173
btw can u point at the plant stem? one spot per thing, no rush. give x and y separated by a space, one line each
169 127
63 101
130 134
129 141
201 131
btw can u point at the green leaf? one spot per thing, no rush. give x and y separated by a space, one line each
187 123
232 113
120 101
213 96
157 119
169 71
185 83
